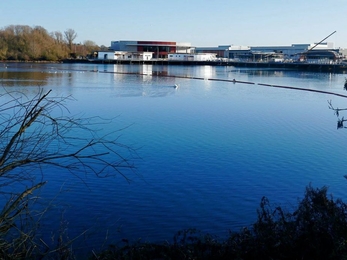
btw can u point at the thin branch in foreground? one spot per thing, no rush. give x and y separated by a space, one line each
337 111
32 138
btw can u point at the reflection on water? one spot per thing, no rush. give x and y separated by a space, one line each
23 74
263 73
163 70
13 78
285 73
106 75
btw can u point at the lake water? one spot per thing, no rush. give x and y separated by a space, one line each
210 150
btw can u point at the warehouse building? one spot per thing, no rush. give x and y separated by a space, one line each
160 49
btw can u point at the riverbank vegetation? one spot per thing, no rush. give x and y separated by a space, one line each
25 43
315 229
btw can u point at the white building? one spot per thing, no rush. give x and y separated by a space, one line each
160 49
124 55
323 50
192 57
294 50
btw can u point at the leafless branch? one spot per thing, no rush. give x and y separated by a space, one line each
337 111
32 136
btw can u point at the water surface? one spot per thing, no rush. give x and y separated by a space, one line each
210 150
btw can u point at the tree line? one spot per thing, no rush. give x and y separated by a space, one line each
25 43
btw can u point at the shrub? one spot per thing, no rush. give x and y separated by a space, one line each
317 229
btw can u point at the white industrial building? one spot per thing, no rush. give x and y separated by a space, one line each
192 57
293 51
160 49
167 50
124 55
275 53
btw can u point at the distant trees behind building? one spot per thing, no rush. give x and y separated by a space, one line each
22 42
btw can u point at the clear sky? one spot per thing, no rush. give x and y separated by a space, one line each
202 23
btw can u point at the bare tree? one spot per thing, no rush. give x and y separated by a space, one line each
33 136
58 37
104 48
70 36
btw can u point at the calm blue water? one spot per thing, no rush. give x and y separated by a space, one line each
209 150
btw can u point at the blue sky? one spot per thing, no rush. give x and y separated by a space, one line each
202 23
